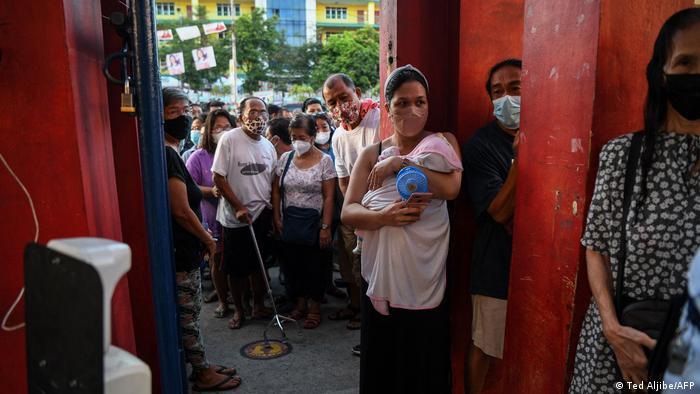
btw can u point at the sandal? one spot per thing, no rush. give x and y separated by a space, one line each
234 323
211 297
221 385
343 314
263 313
297 314
220 369
355 323
221 311
312 321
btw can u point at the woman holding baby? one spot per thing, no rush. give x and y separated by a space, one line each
405 320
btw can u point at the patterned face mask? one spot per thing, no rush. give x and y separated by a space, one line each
346 113
257 125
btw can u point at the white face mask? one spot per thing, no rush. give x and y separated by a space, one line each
217 137
507 110
323 137
301 147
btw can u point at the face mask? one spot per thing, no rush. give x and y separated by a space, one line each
507 110
323 137
348 112
684 94
409 122
178 127
301 147
217 137
256 126
195 135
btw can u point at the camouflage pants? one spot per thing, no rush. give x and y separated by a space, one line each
189 304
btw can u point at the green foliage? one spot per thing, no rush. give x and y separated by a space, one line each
257 42
197 80
291 65
355 53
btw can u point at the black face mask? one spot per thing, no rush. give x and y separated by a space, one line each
178 127
684 94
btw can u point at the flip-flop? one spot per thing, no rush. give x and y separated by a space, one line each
236 324
218 386
221 311
354 324
262 314
220 370
342 314
313 320
297 314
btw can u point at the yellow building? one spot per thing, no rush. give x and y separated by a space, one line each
337 16
216 10
297 17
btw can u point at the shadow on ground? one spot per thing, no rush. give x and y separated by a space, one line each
321 362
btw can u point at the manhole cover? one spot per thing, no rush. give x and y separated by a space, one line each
258 351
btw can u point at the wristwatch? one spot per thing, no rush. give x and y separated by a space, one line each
324 226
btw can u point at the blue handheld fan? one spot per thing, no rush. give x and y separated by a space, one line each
411 180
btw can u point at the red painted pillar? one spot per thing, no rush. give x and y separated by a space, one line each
57 141
125 144
583 84
489 31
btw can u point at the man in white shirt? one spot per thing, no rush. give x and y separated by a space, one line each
243 170
359 127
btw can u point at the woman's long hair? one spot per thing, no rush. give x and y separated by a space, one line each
207 142
656 106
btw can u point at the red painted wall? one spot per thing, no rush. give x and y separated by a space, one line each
125 145
56 138
628 30
489 31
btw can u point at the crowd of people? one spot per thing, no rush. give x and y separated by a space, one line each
321 182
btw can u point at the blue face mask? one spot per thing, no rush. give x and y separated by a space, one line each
195 135
507 110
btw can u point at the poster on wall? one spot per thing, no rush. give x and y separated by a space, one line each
204 58
165 35
176 63
188 32
212 28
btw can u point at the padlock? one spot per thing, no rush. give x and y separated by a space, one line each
127 99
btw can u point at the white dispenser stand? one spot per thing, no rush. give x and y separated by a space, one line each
123 372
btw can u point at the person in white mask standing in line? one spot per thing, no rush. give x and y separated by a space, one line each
490 169
302 198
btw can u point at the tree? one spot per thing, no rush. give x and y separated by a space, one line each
291 64
354 53
257 42
203 79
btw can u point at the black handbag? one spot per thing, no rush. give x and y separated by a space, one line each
300 226
656 318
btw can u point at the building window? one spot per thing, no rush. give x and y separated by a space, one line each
361 16
276 11
237 9
223 9
376 16
336 13
165 8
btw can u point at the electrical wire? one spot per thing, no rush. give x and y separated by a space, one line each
4 325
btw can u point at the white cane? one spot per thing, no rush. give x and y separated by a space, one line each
277 319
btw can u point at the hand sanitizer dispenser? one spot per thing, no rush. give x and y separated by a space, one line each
123 372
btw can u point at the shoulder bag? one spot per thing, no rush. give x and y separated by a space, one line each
656 318
299 225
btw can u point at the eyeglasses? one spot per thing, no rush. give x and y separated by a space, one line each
254 113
